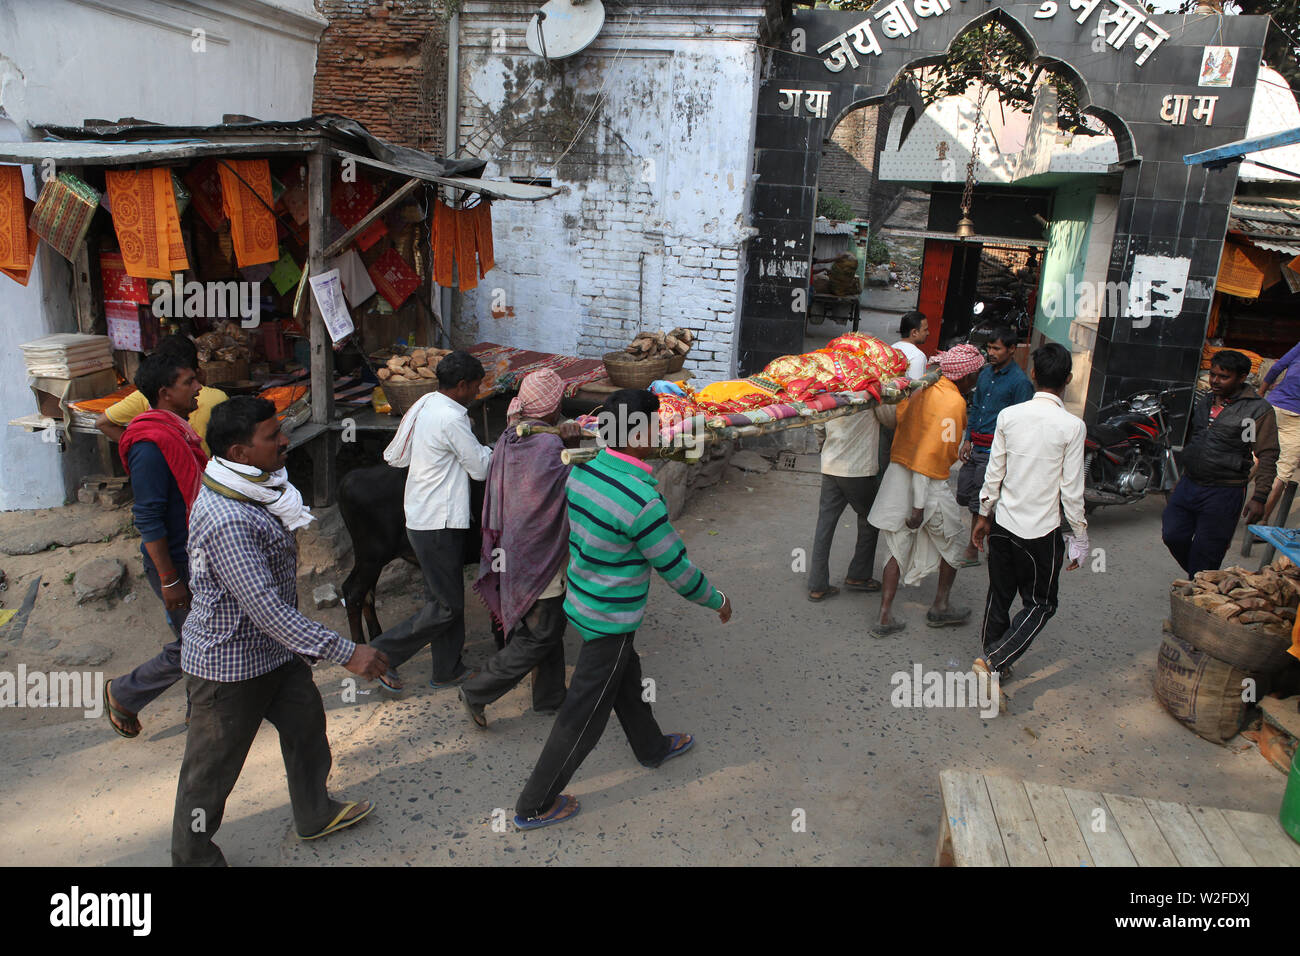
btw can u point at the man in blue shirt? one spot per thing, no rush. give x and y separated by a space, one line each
1002 383
160 451
1285 399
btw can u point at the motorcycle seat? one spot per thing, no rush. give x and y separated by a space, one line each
1106 435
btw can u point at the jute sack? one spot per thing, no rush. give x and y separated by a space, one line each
1199 690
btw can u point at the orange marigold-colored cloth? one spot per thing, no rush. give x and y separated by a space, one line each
1209 351
147 224
466 254
443 241
252 224
483 237
21 276
889 361
13 219
737 396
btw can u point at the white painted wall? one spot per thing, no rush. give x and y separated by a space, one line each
649 230
64 61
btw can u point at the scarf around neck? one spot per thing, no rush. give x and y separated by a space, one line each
269 488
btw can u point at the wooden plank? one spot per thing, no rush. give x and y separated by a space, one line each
90 318
1020 837
1107 845
1227 845
1141 834
341 243
1182 834
1061 837
975 837
1264 838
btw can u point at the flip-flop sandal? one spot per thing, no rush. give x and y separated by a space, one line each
343 821
947 618
390 682
474 712
818 596
981 667
968 563
885 630
121 715
566 808
871 584
456 681
680 744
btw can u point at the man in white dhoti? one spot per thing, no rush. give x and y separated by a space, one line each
915 509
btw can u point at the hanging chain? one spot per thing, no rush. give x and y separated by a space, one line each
968 193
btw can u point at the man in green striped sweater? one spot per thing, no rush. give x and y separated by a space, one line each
618 531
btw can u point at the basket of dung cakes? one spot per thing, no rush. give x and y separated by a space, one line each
406 377
1225 642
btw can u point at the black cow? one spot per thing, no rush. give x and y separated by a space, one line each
370 501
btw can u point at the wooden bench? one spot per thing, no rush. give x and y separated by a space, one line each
1000 821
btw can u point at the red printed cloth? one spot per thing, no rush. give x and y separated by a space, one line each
575 372
118 286
889 361
205 193
394 279
350 201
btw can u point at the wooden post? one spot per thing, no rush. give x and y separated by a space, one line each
322 348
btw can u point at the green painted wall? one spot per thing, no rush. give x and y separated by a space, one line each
1067 248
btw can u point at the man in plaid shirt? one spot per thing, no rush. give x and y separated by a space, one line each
246 645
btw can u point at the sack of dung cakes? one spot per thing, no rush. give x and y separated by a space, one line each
888 361
1200 691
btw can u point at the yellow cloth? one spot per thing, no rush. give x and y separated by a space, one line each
930 426
136 404
728 391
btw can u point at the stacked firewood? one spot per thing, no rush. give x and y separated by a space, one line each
417 366
1265 601
656 345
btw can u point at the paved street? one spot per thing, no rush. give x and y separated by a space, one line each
789 702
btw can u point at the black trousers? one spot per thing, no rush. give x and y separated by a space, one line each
225 718
607 677
139 688
1030 567
535 642
440 623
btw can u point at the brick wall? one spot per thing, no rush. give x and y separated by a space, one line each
383 63
848 160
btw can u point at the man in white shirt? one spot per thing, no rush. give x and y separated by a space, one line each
1035 469
914 328
436 442
850 476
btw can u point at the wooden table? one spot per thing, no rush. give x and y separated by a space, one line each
1001 821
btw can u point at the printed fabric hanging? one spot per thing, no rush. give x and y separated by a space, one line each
246 199
63 212
21 276
147 224
13 219
463 237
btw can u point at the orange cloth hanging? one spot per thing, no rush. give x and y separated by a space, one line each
466 261
147 224
13 219
483 237
252 225
22 275
444 243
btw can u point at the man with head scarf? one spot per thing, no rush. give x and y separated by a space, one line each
525 552
915 507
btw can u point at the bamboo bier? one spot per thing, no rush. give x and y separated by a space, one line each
677 450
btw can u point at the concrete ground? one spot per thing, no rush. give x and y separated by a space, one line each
790 703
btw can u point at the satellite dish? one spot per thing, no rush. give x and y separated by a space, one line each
564 27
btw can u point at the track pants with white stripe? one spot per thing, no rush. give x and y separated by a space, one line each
1030 567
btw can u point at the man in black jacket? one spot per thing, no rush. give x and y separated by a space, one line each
1230 428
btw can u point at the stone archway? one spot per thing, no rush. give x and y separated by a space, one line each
1134 74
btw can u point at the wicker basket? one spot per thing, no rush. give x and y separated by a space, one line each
1232 643
627 372
402 395
675 363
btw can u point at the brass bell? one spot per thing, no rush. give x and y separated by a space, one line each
965 228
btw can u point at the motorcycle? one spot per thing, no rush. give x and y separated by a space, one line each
989 316
1129 451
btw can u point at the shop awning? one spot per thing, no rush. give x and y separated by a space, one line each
126 144
1267 223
